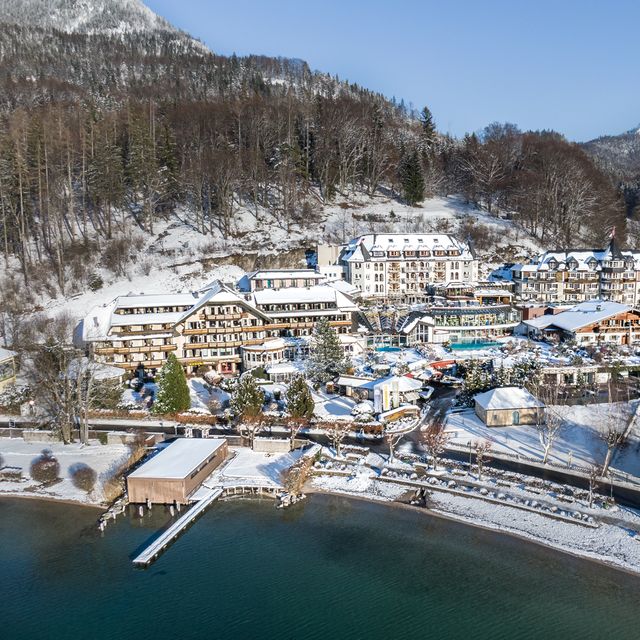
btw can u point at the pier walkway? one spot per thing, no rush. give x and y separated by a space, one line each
162 542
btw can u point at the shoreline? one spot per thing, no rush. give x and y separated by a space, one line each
452 517
395 504
43 498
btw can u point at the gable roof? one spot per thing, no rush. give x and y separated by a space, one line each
580 316
507 398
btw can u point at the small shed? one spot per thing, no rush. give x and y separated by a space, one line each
507 406
172 475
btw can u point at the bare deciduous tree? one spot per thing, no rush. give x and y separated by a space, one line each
435 442
549 429
482 448
595 475
337 432
616 417
61 376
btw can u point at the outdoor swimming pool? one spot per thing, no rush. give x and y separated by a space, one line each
388 349
474 344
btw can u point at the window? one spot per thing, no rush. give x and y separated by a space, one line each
516 417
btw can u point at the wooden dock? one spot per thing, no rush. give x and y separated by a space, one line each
158 546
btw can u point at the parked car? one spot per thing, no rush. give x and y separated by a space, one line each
426 393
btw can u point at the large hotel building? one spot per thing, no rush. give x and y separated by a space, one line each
580 275
395 266
209 327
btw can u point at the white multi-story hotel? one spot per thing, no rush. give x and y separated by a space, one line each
581 275
404 266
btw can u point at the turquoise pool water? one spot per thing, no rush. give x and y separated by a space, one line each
474 344
388 349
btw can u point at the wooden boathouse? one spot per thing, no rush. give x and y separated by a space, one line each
174 473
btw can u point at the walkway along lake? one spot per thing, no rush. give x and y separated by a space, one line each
329 567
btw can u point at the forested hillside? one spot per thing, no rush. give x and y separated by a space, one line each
106 133
619 157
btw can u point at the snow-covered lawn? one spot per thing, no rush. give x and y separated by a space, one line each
362 483
103 459
579 441
249 467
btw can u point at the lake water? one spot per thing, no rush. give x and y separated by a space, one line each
329 568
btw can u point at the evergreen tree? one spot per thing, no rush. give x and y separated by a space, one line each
173 391
428 126
411 178
299 401
248 398
327 358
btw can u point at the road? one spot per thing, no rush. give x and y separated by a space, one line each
441 401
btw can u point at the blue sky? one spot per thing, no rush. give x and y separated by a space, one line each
568 65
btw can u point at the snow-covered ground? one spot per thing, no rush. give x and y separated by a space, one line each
578 443
252 468
103 459
362 484
177 257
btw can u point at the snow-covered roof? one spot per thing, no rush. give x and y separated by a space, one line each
353 381
5 354
120 320
492 292
293 295
507 398
344 287
286 274
405 384
157 300
179 459
267 345
582 259
405 241
97 370
283 367
579 316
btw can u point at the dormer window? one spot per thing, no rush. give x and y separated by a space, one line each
553 264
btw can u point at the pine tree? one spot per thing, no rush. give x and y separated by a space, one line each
173 391
248 398
411 178
327 359
299 400
428 126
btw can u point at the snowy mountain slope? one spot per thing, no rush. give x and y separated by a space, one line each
179 258
85 16
617 154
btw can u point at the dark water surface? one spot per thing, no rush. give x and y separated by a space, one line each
330 568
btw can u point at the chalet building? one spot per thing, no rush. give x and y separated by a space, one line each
593 322
580 275
7 368
208 328
398 266
507 406
280 279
